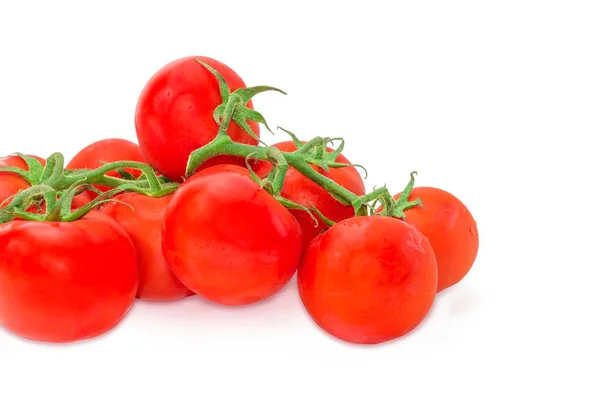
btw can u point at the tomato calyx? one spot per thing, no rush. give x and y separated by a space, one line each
319 155
53 188
234 104
42 203
396 208
34 173
57 177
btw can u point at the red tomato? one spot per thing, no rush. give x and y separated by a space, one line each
12 183
57 284
144 226
451 230
228 240
82 199
107 151
174 114
305 192
368 280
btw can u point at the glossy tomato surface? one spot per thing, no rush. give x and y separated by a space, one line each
305 192
107 151
451 230
12 183
174 114
64 282
142 217
228 240
368 280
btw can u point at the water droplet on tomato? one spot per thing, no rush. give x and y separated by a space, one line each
472 231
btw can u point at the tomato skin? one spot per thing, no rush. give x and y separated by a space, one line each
11 183
174 114
144 226
57 285
368 280
305 192
107 151
451 230
240 247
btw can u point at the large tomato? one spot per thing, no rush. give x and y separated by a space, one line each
12 183
451 230
368 279
305 192
227 239
142 218
174 114
57 284
107 151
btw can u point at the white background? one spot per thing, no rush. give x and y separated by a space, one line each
495 101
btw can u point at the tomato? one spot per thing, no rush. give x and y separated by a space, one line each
305 192
451 230
107 151
12 183
65 281
368 280
228 240
144 226
174 114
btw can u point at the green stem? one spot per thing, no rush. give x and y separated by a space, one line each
99 177
232 104
309 145
382 195
337 191
223 145
281 169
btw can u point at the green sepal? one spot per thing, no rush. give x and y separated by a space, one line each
241 97
402 203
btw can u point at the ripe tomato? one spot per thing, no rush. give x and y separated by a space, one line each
305 192
228 240
11 183
368 280
451 230
107 151
144 226
174 114
57 285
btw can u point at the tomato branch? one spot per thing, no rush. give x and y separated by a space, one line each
312 153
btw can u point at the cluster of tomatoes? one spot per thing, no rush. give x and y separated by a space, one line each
366 273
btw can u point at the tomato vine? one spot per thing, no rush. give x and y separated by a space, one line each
313 152
55 186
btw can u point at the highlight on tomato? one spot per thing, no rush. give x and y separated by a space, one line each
301 190
58 283
368 279
229 240
142 217
175 114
